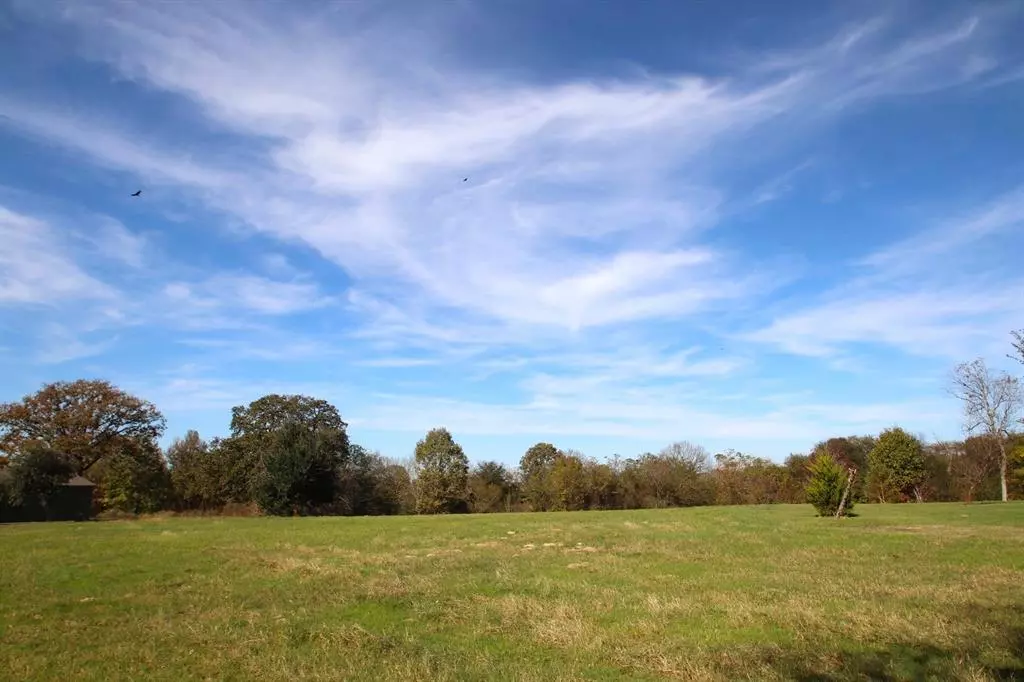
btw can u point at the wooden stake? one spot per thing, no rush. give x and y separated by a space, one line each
846 493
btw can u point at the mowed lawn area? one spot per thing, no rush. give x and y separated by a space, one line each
931 591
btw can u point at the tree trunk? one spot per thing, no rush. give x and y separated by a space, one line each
846 492
1002 466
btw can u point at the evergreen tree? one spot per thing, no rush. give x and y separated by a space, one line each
826 485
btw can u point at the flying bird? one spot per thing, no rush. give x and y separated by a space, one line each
464 179
137 193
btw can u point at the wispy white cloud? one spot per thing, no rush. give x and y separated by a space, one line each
399 362
35 267
763 422
366 156
779 185
278 265
261 342
951 323
59 344
114 241
559 374
925 294
232 300
43 264
647 419
877 58
66 311
190 393
1003 215
105 146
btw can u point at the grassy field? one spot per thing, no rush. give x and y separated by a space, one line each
909 592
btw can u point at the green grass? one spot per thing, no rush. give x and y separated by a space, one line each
909 592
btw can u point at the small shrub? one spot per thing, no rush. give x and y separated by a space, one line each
115 514
826 485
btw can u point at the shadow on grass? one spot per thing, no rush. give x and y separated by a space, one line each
902 662
994 650
997 653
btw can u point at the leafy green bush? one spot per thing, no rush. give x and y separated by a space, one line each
826 485
896 466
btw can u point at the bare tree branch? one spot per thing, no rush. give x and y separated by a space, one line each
991 403
1018 346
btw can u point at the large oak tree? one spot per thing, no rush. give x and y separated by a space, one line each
255 426
85 421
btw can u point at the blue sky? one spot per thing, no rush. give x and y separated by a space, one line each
740 226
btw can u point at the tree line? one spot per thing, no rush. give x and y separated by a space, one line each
291 455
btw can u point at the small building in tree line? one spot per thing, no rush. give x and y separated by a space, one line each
70 502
